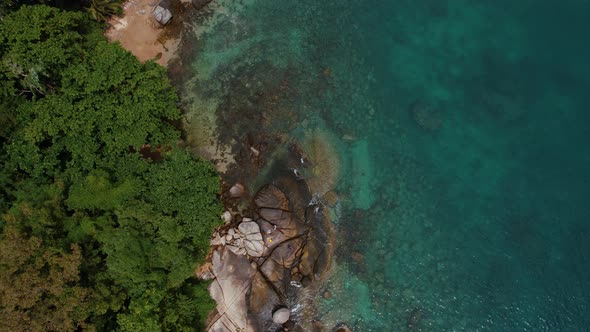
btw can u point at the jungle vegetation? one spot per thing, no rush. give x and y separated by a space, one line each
94 233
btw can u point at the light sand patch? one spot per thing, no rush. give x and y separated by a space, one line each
140 34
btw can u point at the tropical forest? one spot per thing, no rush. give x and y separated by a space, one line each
104 217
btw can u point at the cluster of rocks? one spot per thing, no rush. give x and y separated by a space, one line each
246 239
259 265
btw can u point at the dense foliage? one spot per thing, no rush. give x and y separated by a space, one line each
94 234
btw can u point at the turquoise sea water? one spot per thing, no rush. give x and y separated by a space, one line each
464 133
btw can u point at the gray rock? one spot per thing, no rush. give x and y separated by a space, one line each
162 15
254 248
233 276
236 191
253 241
248 227
281 316
234 249
254 237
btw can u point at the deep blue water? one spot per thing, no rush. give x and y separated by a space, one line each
463 129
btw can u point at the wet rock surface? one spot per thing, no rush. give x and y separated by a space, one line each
281 240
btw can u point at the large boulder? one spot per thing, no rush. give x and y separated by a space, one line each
272 197
281 316
273 215
253 241
162 15
233 274
287 253
282 219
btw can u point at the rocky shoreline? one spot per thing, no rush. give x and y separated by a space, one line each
272 256
269 261
150 29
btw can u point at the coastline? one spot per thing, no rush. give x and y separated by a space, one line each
139 33
400 264
283 277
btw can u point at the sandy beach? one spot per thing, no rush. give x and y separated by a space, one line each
138 31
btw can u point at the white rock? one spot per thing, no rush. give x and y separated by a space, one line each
231 232
255 152
228 238
235 249
216 240
248 227
226 217
246 219
254 248
254 237
281 316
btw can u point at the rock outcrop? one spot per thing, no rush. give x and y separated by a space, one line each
162 15
233 274
286 243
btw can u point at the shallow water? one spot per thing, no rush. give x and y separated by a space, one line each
462 129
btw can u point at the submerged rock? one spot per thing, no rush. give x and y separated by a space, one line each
281 316
342 328
198 4
426 116
414 318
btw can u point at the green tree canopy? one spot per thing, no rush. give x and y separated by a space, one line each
93 234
